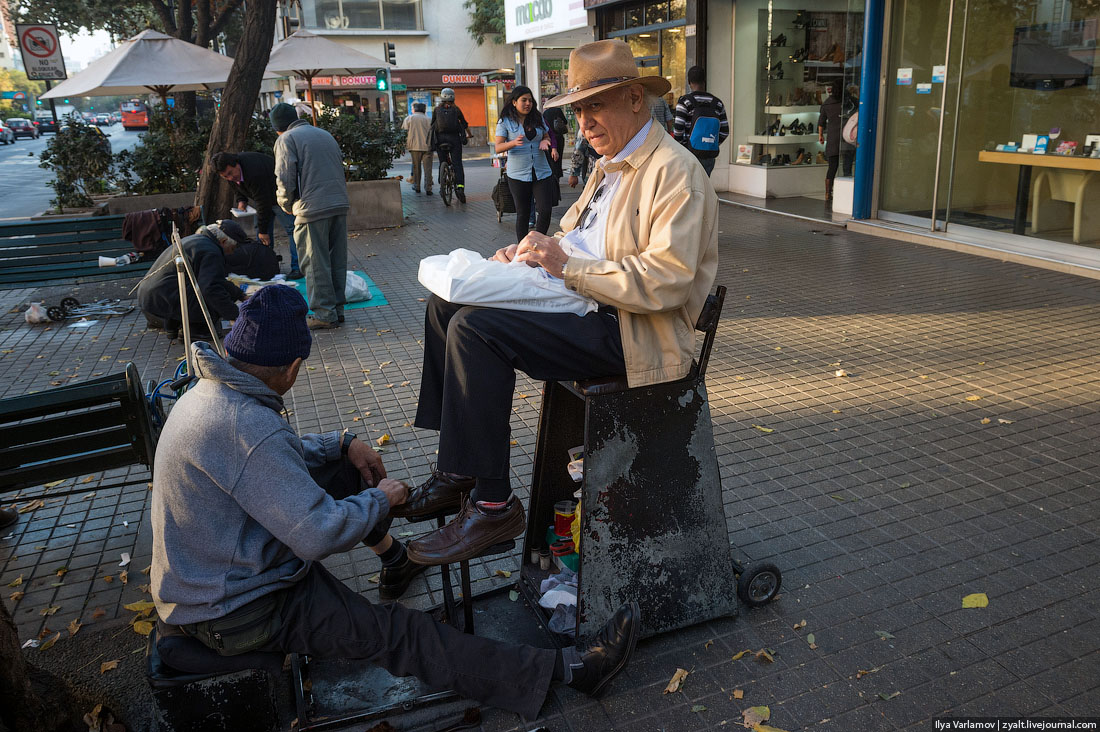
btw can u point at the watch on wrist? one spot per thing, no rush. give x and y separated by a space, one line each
345 442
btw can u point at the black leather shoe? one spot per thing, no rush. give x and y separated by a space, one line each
441 493
608 653
7 517
393 581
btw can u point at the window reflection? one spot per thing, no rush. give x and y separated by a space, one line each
362 14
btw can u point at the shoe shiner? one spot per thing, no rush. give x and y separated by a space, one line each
650 272
244 510
158 293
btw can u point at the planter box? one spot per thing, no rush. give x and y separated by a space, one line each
129 204
375 204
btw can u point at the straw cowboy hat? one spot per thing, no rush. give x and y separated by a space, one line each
601 66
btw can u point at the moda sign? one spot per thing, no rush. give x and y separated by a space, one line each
525 19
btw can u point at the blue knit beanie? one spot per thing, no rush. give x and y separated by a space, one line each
281 116
271 329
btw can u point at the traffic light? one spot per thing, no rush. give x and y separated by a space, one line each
38 102
66 101
391 54
382 80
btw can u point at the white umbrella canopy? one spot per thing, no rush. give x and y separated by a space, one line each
149 62
307 55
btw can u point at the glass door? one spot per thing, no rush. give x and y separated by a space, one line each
1002 136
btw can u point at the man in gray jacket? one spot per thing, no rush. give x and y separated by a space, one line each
309 175
240 524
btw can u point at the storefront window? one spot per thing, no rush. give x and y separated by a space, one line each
656 12
804 62
1025 77
362 14
655 32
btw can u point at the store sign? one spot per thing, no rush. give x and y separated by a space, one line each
460 79
526 19
363 80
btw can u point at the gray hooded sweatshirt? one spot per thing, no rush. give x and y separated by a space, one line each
235 512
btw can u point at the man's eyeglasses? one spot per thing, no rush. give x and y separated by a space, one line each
588 216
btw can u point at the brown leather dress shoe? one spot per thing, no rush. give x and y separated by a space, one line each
441 493
469 533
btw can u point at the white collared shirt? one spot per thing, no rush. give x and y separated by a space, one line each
588 239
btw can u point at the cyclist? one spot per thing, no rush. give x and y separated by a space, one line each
450 126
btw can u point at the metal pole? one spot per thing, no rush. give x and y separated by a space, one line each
869 88
943 110
955 125
53 106
185 318
182 266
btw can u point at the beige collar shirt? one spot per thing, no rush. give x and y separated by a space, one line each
419 128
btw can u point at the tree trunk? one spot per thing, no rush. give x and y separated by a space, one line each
238 103
30 699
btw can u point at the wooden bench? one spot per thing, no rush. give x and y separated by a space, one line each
64 249
74 430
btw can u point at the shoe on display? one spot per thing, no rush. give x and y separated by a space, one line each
801 157
764 159
821 159
779 40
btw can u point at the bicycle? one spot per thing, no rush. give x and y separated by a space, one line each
446 174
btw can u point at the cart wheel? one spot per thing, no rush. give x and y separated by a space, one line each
69 304
759 584
53 312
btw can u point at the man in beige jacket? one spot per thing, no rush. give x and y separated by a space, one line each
646 225
419 128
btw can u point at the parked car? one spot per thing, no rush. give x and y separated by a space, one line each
6 135
103 119
45 122
22 127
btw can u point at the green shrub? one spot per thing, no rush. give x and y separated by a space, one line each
368 147
80 158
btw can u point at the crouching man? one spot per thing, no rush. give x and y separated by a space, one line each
243 509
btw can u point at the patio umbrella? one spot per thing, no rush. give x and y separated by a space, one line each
307 55
149 62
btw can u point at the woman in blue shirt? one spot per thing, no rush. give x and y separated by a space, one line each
522 133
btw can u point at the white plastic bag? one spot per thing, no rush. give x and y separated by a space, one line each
356 289
466 278
36 314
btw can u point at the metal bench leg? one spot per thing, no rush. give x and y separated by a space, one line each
467 599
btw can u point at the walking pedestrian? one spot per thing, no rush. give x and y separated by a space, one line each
661 114
252 176
449 126
701 124
580 164
309 171
830 123
417 141
522 133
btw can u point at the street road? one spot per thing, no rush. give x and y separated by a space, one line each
23 185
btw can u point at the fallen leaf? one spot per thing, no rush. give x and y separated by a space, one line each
811 640
1004 421
738 694
109 579
767 728
32 506
861 673
755 715
61 571
742 654
375 578
74 627
144 588
708 644
521 395
405 383
16 582
389 386
513 595
884 635
146 570
124 576
143 627
49 610
142 606
54 483
765 430
406 533
840 373
383 440
802 623
89 479
677 681
836 411
502 573
973 398
48 644
699 708
16 596
98 613
514 442
765 655
384 363
986 420
108 666
888 697
978 599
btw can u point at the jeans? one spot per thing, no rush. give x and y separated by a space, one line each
455 154
708 164
324 264
287 222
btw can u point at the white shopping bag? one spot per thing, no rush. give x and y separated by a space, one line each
466 278
356 289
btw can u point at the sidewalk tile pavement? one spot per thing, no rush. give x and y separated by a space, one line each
956 456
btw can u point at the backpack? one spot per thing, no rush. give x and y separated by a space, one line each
447 119
705 126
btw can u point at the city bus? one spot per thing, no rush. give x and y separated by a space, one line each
135 115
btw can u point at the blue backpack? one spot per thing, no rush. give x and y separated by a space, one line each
705 128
